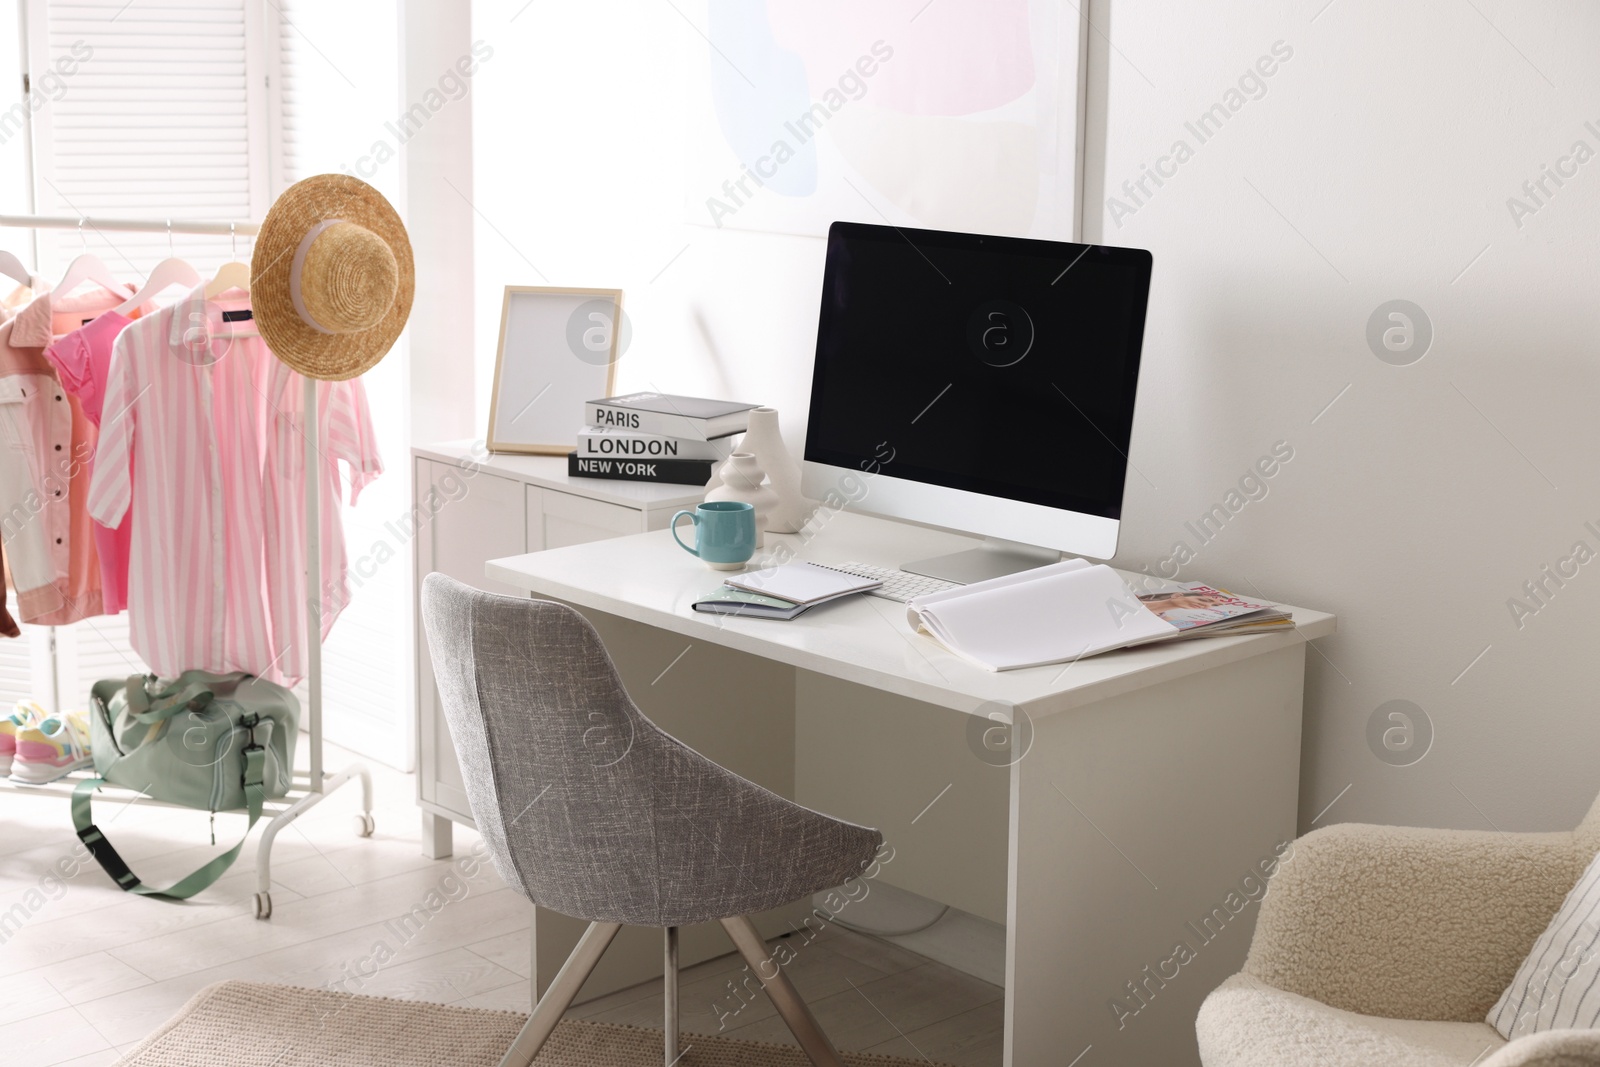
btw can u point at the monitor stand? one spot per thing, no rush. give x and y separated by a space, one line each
994 558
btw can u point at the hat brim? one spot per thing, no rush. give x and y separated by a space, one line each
326 356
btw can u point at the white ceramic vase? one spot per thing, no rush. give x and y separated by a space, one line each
765 441
740 477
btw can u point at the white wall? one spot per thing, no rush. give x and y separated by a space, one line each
336 104
579 134
1378 166
1381 157
435 165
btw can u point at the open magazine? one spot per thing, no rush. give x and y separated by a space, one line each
1073 609
1200 611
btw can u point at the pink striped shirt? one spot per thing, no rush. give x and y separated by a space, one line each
344 435
185 405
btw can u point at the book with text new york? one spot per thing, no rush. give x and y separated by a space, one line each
669 471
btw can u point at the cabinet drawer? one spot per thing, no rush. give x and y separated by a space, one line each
473 522
576 520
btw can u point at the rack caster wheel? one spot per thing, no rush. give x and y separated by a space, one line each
263 906
365 825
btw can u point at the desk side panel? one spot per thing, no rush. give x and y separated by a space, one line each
1138 825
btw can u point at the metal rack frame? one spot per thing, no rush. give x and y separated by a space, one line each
318 784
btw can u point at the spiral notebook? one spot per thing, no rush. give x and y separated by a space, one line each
726 600
802 583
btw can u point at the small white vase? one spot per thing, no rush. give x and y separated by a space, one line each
741 478
765 441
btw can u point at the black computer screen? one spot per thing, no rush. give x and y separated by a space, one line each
998 365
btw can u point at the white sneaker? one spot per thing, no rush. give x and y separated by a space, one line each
24 715
52 749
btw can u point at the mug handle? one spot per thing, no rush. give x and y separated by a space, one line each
673 526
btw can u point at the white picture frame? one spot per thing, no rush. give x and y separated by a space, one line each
557 350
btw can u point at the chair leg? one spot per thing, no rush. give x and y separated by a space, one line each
558 998
669 973
782 992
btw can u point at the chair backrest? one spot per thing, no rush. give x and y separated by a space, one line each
1587 835
587 807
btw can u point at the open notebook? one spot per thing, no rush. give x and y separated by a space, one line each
1073 609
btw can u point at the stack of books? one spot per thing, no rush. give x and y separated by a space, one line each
655 437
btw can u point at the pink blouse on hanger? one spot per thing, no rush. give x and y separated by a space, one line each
52 555
82 360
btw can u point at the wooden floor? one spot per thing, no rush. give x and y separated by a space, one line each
88 970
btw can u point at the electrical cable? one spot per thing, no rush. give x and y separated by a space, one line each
893 933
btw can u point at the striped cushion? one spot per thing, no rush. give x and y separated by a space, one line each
1558 985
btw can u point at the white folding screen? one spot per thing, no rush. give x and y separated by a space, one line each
24 659
149 110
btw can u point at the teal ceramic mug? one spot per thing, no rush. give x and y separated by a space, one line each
724 533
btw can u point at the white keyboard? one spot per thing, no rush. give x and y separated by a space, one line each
898 585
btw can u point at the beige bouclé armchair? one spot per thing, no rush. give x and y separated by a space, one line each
1386 946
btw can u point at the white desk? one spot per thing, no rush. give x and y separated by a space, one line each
1153 781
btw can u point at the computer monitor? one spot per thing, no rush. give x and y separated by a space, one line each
986 384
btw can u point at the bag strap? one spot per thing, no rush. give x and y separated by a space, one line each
138 698
255 762
164 705
192 697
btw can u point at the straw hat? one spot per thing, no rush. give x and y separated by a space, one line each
331 280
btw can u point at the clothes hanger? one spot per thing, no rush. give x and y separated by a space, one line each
87 268
12 267
231 275
170 271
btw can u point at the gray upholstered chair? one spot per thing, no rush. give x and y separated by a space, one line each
591 810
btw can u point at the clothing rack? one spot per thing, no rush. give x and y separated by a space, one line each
318 784
87 222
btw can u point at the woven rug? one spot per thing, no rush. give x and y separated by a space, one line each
245 1024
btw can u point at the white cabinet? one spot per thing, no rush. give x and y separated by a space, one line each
471 507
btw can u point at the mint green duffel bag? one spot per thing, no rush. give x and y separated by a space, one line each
214 742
